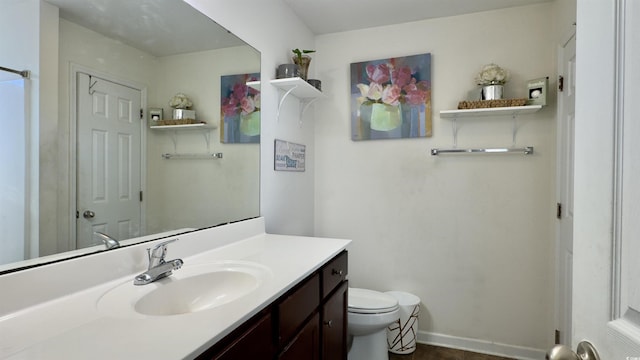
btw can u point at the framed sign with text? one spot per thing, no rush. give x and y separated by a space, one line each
288 156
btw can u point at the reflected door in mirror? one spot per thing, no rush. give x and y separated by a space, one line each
109 158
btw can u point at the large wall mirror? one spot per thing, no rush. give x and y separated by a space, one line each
103 164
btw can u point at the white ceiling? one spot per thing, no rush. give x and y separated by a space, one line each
329 16
167 27
158 27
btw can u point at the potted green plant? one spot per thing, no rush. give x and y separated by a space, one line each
303 60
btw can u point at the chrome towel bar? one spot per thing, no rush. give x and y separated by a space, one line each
528 150
192 156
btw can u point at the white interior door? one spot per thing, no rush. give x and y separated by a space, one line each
564 246
108 160
606 289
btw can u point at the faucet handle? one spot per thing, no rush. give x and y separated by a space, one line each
159 251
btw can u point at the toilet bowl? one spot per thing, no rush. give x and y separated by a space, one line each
368 315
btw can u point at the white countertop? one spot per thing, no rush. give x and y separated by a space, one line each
73 327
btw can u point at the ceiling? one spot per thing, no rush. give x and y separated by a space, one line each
330 16
158 27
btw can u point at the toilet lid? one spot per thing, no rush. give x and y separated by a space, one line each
365 301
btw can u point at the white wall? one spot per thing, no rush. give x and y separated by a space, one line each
48 128
14 95
14 189
286 199
31 24
472 236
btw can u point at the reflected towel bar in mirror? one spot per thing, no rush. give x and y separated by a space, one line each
528 150
192 156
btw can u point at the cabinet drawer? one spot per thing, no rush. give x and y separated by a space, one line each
334 273
297 307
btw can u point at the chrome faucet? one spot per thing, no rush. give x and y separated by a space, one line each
107 240
158 266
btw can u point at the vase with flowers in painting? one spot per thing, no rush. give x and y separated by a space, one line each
386 101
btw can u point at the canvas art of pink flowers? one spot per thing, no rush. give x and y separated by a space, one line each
391 86
242 100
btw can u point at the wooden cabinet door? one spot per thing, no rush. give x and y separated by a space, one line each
296 308
334 325
306 344
256 343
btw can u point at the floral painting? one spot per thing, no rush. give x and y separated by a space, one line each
240 109
391 98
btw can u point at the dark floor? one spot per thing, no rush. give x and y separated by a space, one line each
429 352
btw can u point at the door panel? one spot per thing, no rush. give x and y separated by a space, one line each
606 229
108 160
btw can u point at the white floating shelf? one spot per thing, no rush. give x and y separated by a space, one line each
254 84
183 127
172 130
301 88
498 111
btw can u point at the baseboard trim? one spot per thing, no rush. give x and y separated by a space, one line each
480 346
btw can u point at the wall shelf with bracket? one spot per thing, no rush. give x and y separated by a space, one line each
501 111
299 88
173 130
512 111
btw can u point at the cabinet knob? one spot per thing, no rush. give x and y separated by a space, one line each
329 323
337 272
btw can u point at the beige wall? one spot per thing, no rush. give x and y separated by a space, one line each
202 192
472 236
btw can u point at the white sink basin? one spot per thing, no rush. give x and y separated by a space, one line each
190 289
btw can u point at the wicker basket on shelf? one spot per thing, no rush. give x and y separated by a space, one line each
177 122
481 104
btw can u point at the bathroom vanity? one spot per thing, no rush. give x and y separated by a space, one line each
308 322
271 297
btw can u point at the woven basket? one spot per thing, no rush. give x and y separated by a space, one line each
176 122
481 104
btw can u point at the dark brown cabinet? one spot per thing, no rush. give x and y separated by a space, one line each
308 322
306 344
334 325
294 309
252 340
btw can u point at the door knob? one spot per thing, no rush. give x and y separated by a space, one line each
88 214
585 351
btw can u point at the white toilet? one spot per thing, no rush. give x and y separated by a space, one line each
368 315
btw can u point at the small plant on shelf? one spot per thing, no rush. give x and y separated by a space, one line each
299 53
303 60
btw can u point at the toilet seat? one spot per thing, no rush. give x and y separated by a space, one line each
364 301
